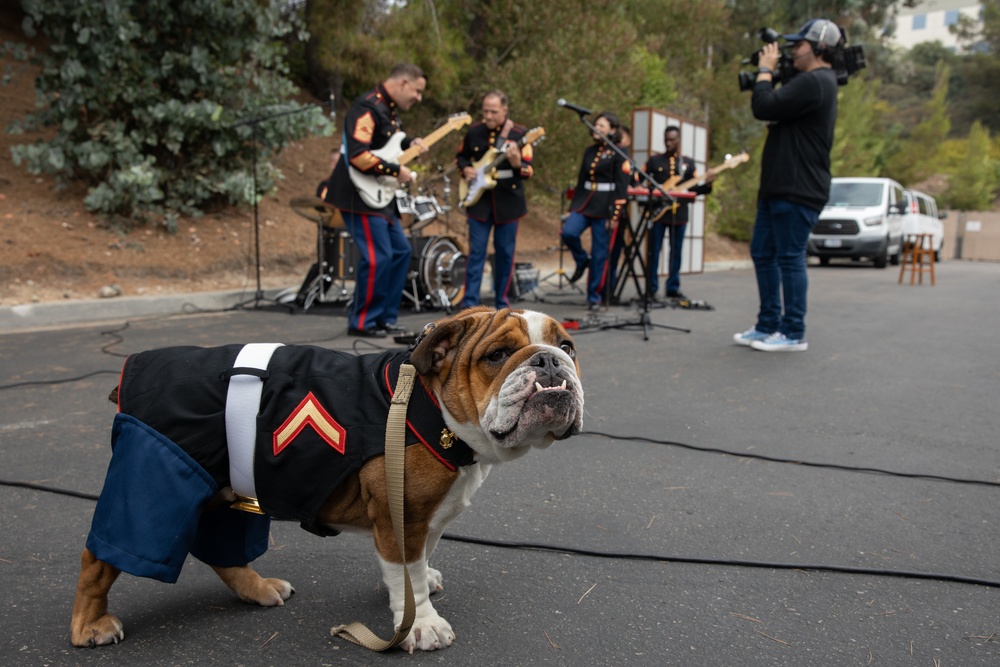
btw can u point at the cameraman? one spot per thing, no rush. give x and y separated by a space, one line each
794 180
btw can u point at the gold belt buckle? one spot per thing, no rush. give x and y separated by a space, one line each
245 504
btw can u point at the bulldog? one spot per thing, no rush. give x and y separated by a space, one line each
299 432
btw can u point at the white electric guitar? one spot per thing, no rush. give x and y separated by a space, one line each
379 191
469 192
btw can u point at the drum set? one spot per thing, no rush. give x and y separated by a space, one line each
436 279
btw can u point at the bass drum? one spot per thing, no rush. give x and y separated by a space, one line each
437 272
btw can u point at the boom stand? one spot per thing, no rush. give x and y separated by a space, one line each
644 320
258 296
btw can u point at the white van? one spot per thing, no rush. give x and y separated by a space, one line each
922 217
863 219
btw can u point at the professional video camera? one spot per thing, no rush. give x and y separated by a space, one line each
846 60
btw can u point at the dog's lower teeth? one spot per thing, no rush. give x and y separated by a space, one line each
539 387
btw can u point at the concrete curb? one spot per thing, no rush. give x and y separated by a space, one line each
33 316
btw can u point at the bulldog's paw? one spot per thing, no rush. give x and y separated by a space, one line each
435 582
108 629
272 592
428 633
253 588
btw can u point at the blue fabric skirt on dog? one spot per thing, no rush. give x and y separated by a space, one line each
150 514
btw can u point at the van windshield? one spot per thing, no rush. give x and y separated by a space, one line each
855 194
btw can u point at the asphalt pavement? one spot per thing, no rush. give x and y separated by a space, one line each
723 507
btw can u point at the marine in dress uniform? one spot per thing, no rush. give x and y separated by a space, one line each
673 222
500 208
598 204
384 249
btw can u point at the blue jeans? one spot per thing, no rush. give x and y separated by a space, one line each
778 249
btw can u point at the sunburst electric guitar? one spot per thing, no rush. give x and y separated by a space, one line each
378 191
469 192
673 185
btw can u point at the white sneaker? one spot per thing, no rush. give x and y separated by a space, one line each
749 336
779 342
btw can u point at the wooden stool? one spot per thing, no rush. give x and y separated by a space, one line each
917 256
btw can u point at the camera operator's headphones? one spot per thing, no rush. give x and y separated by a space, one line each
816 46
821 43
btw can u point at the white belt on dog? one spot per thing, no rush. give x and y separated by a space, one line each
599 187
242 407
505 173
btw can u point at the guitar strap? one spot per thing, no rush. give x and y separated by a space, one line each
507 127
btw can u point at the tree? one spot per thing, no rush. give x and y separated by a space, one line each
973 184
916 158
152 102
862 134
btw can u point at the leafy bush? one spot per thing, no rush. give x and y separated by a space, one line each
164 106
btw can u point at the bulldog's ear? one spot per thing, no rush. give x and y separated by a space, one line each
429 354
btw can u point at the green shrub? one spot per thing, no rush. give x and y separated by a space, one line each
156 103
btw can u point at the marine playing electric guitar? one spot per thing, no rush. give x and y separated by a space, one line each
470 192
673 185
378 191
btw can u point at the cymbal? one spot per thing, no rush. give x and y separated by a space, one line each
315 209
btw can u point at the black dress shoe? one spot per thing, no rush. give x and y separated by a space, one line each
675 295
366 333
594 307
393 328
578 273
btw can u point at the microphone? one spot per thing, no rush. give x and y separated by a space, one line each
569 105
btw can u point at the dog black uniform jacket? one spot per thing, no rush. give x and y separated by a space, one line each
322 415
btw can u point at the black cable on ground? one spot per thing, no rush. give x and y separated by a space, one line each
810 464
764 565
656 558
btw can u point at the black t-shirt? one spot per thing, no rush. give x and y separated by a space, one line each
802 114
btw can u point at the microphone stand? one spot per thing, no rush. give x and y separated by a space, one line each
253 123
644 319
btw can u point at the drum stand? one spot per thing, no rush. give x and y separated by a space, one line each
330 283
435 263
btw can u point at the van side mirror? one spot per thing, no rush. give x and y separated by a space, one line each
898 207
942 215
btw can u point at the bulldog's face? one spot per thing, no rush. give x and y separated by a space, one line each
507 380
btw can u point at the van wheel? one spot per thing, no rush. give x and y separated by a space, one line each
882 258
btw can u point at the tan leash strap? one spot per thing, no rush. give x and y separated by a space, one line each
395 458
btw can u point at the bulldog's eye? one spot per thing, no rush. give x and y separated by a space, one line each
568 348
498 356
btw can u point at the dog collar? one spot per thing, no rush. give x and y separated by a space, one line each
425 422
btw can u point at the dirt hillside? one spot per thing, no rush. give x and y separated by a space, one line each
52 249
